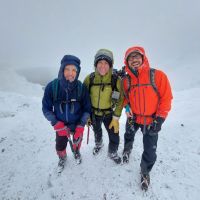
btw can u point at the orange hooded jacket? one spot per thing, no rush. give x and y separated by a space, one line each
144 102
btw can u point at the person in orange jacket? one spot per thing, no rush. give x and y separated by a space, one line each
147 102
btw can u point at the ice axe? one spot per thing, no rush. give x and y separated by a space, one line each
88 134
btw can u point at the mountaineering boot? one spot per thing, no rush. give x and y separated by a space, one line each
125 156
114 156
145 181
61 163
97 148
77 156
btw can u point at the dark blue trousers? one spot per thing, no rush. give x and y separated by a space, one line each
149 145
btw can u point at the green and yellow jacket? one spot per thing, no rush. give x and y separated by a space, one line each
101 95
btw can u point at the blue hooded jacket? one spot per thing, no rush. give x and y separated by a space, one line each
72 105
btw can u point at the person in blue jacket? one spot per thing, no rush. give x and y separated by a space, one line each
66 104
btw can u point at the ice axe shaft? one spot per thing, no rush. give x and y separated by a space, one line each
71 145
88 134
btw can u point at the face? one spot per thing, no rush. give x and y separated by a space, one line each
135 60
103 67
70 72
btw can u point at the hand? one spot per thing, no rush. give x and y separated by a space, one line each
78 132
115 124
61 129
89 122
156 125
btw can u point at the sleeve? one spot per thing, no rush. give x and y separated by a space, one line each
47 105
119 104
165 94
86 105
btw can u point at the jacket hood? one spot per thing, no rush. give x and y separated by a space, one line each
104 54
140 50
69 60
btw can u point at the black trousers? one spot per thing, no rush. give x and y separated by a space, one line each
61 142
97 126
149 145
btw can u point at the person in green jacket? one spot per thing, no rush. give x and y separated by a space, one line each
107 102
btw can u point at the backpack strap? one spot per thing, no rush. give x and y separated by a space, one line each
55 89
127 78
80 91
113 83
92 76
91 83
152 81
126 90
114 78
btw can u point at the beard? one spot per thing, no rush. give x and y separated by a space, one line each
135 64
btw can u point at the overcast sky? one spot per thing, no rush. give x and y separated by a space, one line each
38 33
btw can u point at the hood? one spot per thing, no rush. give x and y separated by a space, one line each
145 63
69 60
104 54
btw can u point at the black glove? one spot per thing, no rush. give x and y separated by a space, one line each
130 125
155 127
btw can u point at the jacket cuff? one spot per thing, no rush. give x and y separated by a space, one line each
84 119
127 108
160 119
54 122
115 117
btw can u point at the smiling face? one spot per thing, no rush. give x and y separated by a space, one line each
135 60
103 67
70 72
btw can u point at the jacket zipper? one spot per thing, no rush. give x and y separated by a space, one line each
67 107
99 93
144 101
135 99
138 82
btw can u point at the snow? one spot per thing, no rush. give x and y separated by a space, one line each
28 159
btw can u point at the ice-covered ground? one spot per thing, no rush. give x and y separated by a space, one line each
28 158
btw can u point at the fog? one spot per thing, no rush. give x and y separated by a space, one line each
36 34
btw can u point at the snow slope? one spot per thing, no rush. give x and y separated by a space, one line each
28 159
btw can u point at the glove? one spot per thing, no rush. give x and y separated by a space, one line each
115 124
61 129
78 132
155 127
